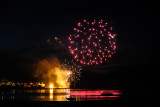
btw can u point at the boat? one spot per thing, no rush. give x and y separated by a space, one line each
71 99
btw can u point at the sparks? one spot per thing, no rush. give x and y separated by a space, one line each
90 39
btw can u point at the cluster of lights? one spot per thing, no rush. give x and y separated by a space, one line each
92 42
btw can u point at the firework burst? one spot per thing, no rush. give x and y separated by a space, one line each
73 71
92 42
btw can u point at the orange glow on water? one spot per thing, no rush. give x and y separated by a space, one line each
51 91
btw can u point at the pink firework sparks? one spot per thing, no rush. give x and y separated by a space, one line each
92 42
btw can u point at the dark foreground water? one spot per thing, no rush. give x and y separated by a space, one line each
132 97
58 95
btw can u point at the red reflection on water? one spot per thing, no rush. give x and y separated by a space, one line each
87 95
92 98
96 92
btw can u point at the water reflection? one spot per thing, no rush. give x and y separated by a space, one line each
51 94
51 91
42 91
59 94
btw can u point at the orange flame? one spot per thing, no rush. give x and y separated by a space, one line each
52 74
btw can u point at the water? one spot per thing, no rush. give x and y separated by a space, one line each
58 95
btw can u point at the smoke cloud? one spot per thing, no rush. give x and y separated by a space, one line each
50 72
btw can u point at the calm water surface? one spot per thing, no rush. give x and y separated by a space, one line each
58 95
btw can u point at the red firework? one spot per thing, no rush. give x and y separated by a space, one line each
92 42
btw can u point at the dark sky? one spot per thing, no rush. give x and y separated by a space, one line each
25 27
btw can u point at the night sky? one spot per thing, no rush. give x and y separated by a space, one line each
25 28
